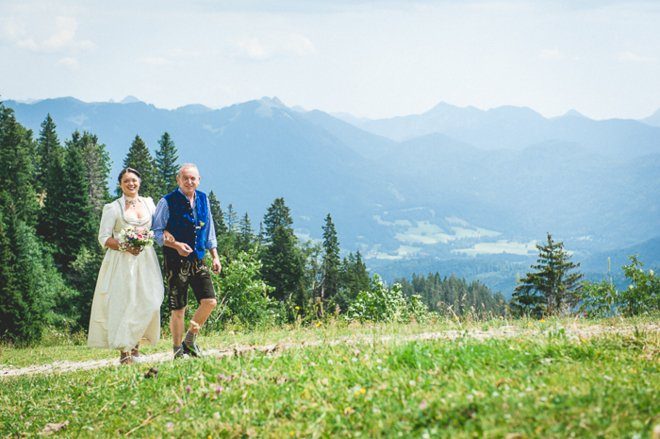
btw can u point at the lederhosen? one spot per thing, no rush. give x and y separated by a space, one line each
191 227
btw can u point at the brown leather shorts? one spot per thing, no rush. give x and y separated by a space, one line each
182 273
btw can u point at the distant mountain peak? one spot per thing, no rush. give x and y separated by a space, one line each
130 100
574 113
272 102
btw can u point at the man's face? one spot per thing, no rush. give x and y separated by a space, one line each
188 180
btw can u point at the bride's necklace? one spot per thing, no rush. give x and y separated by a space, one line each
131 202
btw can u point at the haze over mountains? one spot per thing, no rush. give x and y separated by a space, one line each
453 189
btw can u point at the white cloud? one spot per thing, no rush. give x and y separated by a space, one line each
62 38
276 45
154 61
499 247
69 62
551 54
403 252
629 56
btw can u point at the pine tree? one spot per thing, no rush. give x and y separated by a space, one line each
217 214
17 171
48 149
245 237
551 287
96 166
23 304
140 158
231 219
331 261
76 220
166 167
282 263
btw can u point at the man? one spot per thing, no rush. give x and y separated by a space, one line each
184 227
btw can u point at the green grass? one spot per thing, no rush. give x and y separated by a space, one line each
537 385
57 347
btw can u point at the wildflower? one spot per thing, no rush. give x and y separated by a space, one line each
188 389
170 426
423 405
218 389
317 324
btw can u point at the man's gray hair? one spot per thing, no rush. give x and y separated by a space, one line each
187 166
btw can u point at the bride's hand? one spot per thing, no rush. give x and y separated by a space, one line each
134 250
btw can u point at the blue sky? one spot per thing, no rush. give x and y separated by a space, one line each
368 58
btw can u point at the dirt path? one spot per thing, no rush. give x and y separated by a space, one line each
570 331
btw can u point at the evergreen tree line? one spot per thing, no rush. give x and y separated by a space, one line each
51 198
453 296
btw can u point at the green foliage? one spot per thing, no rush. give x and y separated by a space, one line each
17 170
96 168
382 304
30 285
551 288
452 296
48 150
139 158
641 297
353 278
643 294
82 276
330 267
245 237
598 299
74 219
243 297
166 166
282 261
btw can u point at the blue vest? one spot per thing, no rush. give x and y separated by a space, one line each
183 226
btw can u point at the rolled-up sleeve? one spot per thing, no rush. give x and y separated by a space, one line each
159 223
212 241
108 219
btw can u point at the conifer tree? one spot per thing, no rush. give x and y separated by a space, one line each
76 221
96 166
231 219
217 214
140 158
23 304
245 237
48 149
282 263
17 172
166 166
331 261
551 287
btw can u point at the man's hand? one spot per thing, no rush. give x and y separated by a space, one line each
217 267
183 249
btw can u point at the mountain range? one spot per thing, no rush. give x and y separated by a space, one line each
454 190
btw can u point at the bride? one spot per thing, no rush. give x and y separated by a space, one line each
129 288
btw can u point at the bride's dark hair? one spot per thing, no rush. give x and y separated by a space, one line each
131 170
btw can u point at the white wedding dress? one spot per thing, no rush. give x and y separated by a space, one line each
129 289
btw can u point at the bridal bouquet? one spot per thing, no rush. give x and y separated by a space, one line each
135 237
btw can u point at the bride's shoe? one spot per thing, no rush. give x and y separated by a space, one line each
125 358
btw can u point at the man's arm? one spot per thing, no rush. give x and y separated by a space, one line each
159 223
161 216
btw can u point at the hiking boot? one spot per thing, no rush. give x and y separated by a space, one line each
178 352
192 349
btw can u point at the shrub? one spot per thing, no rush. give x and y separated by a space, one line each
382 304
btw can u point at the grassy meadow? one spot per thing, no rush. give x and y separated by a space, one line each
542 381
